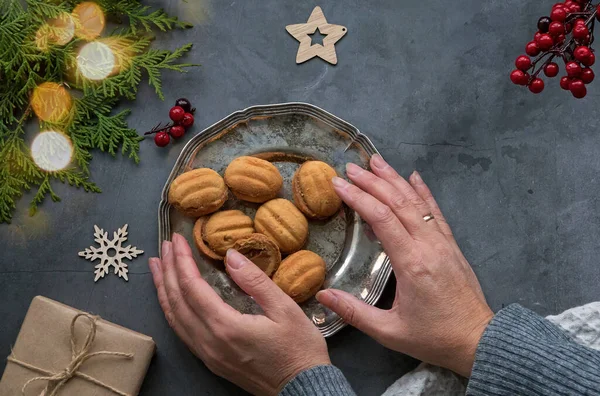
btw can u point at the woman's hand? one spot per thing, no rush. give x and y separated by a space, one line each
258 353
439 313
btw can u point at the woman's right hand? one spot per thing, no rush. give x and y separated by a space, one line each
439 313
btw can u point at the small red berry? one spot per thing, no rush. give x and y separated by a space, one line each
558 14
573 69
551 69
569 3
575 8
579 21
545 42
564 83
580 31
177 131
519 77
523 62
581 53
561 39
532 49
187 120
587 76
536 86
176 113
577 88
598 12
557 28
536 36
161 139
590 60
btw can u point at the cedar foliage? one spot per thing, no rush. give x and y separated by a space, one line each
91 123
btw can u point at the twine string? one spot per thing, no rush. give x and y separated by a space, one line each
78 356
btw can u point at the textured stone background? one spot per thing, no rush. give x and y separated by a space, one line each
427 81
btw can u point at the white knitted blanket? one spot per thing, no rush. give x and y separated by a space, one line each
581 323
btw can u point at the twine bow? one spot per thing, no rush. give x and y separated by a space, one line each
78 357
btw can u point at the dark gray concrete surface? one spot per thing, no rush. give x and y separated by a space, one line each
427 81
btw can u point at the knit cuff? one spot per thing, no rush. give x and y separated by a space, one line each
523 353
318 381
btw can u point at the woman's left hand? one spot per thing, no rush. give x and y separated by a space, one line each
258 353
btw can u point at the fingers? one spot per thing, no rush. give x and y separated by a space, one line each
366 318
388 228
198 294
383 170
181 312
393 197
157 277
251 279
421 188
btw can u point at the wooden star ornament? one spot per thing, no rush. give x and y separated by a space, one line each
302 32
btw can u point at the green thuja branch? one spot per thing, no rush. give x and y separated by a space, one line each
141 17
29 58
44 189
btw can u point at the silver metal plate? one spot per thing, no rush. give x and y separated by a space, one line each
355 259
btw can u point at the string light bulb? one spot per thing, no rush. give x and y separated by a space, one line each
52 151
89 20
51 102
95 61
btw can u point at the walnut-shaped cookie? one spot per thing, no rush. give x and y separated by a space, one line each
301 275
198 192
280 220
253 179
218 233
261 250
313 191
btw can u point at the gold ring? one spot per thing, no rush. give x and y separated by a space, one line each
428 217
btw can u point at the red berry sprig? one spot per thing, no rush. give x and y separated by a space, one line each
567 34
182 115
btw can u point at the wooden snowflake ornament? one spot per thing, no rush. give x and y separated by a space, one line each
111 253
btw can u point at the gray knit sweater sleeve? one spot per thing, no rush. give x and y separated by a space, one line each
521 353
319 381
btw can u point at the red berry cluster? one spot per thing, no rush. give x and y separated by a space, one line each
182 115
566 34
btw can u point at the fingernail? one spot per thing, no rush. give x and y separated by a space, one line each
153 264
166 248
326 297
417 177
339 182
378 161
235 260
353 169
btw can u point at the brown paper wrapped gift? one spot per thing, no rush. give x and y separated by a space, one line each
104 360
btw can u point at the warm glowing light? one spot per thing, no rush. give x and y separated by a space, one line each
63 29
89 20
51 101
95 61
51 151
59 31
123 51
42 37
